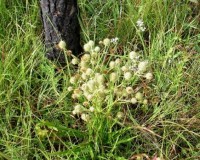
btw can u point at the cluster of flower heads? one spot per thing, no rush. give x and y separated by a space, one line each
101 76
140 25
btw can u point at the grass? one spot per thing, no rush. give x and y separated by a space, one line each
36 106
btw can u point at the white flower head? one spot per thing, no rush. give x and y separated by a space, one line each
87 47
89 71
96 75
73 80
100 42
142 66
62 45
74 96
85 58
113 77
129 90
93 62
91 109
133 100
112 64
102 88
78 109
83 68
85 117
101 93
145 101
118 61
97 49
133 55
89 97
142 29
114 40
127 75
70 88
139 96
75 61
100 79
124 68
149 76
84 87
91 84
77 91
120 115
84 76
86 103
106 41
140 23
83 65
91 43
93 55
116 90
74 112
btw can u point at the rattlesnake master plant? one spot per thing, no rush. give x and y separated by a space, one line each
103 77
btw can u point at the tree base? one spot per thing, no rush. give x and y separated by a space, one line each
60 21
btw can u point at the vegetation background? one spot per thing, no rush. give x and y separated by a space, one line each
32 96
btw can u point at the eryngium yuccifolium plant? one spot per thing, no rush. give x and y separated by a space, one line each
105 79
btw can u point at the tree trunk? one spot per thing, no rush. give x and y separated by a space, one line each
60 21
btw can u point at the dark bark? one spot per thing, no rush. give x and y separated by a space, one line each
60 21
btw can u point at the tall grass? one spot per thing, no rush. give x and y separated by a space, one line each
36 106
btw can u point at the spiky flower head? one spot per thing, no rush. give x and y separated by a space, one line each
85 58
139 96
133 55
91 109
133 100
89 97
149 76
85 117
75 61
142 66
100 79
77 109
112 64
91 43
93 55
86 103
87 47
97 49
129 90
145 101
127 75
113 77
70 88
120 115
62 45
89 71
106 41
84 76
91 84
124 68
73 80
